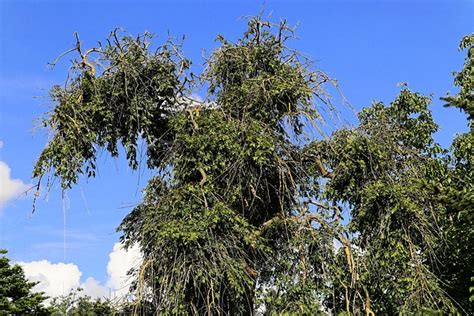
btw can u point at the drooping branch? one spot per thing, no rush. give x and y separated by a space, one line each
324 172
203 176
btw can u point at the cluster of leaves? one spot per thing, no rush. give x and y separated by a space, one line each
16 297
129 99
76 304
464 79
244 213
257 78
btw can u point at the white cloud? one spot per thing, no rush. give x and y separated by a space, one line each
58 279
94 289
55 278
9 188
120 262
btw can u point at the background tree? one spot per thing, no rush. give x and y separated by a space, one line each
75 304
16 297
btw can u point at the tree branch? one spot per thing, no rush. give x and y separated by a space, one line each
323 170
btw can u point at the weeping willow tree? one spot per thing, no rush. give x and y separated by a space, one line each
245 211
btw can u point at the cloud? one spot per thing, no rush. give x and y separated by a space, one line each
9 188
58 279
94 289
120 262
55 278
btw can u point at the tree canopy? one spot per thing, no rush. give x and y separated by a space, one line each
16 297
250 209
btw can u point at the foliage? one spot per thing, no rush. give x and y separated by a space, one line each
16 297
75 304
378 171
128 100
464 79
245 211
458 193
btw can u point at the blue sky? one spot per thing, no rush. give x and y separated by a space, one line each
368 46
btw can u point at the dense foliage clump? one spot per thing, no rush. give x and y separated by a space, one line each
16 297
249 211
464 79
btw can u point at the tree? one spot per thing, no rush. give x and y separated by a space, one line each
245 211
379 171
458 192
16 297
75 304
